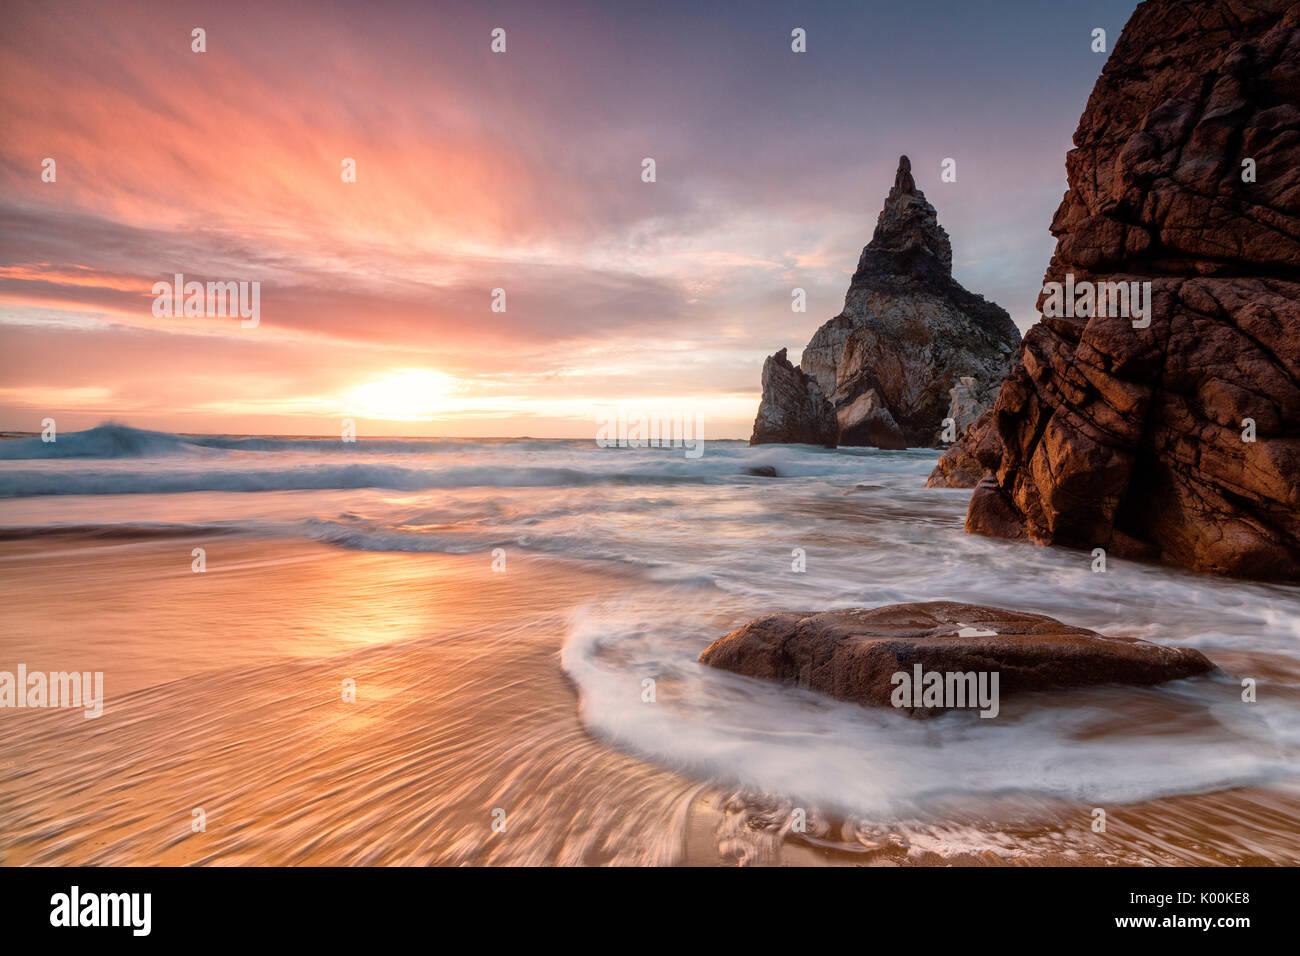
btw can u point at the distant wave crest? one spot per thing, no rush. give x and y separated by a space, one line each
105 441
19 484
112 440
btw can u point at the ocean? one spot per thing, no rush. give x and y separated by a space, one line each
674 552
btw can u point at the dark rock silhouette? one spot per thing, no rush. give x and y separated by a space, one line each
907 335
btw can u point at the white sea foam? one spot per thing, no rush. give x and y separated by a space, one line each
710 545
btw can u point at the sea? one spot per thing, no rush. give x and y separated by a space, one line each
695 546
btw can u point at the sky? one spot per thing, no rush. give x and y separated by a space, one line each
478 170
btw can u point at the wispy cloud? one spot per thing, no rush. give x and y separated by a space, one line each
478 171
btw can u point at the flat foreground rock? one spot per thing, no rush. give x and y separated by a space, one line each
853 654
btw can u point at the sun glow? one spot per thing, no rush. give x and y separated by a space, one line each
410 394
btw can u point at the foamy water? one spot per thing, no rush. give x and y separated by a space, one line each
701 546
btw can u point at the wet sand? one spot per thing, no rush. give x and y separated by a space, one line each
224 694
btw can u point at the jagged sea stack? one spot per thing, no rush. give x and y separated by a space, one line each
907 335
793 409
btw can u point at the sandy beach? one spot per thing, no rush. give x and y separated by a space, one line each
224 694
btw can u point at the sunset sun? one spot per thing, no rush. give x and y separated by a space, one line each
409 394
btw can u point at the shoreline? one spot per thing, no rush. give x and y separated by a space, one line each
224 695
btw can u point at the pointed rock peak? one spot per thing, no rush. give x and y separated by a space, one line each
908 223
903 181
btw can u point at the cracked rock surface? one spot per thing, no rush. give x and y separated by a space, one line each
1138 439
